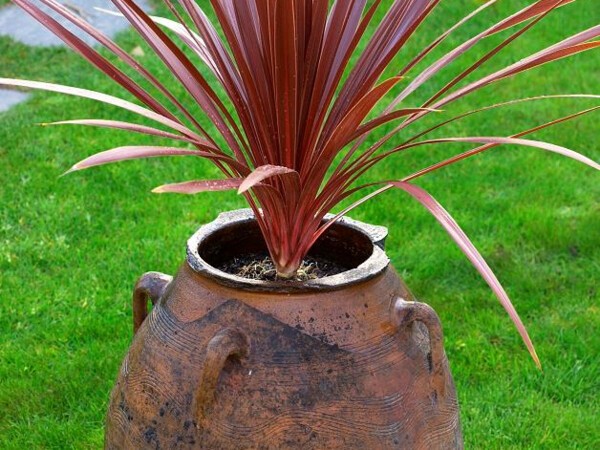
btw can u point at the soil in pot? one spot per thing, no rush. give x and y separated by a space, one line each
259 266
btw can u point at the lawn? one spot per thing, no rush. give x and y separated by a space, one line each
71 249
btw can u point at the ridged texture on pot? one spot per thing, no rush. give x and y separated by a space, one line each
213 367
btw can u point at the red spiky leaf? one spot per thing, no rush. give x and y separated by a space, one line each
291 113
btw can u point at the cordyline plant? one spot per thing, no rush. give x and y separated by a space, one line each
292 113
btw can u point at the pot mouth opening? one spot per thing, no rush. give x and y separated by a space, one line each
355 246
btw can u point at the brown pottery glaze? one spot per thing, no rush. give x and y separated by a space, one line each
349 361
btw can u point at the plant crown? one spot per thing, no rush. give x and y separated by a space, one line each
298 85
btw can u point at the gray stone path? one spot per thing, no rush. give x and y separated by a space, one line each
8 98
18 25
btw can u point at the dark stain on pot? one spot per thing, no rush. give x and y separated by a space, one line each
429 362
125 409
434 397
150 436
323 337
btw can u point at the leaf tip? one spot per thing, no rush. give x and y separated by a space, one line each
537 361
72 169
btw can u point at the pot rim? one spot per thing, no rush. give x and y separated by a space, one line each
374 265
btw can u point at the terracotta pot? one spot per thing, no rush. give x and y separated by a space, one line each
348 361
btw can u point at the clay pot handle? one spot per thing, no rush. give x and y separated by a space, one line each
225 344
151 286
405 313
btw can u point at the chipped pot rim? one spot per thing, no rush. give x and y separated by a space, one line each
374 265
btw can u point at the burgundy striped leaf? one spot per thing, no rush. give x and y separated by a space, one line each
134 152
94 57
497 49
295 94
365 129
120 53
347 127
197 186
538 12
436 42
467 247
191 39
499 105
343 191
285 79
133 127
488 140
104 98
444 61
183 69
525 142
347 192
568 47
397 26
337 45
485 147
262 173
538 8
382 120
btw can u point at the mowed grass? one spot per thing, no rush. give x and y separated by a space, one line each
71 248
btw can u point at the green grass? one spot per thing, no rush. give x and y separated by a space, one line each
71 249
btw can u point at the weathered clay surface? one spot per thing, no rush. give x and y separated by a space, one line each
217 367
